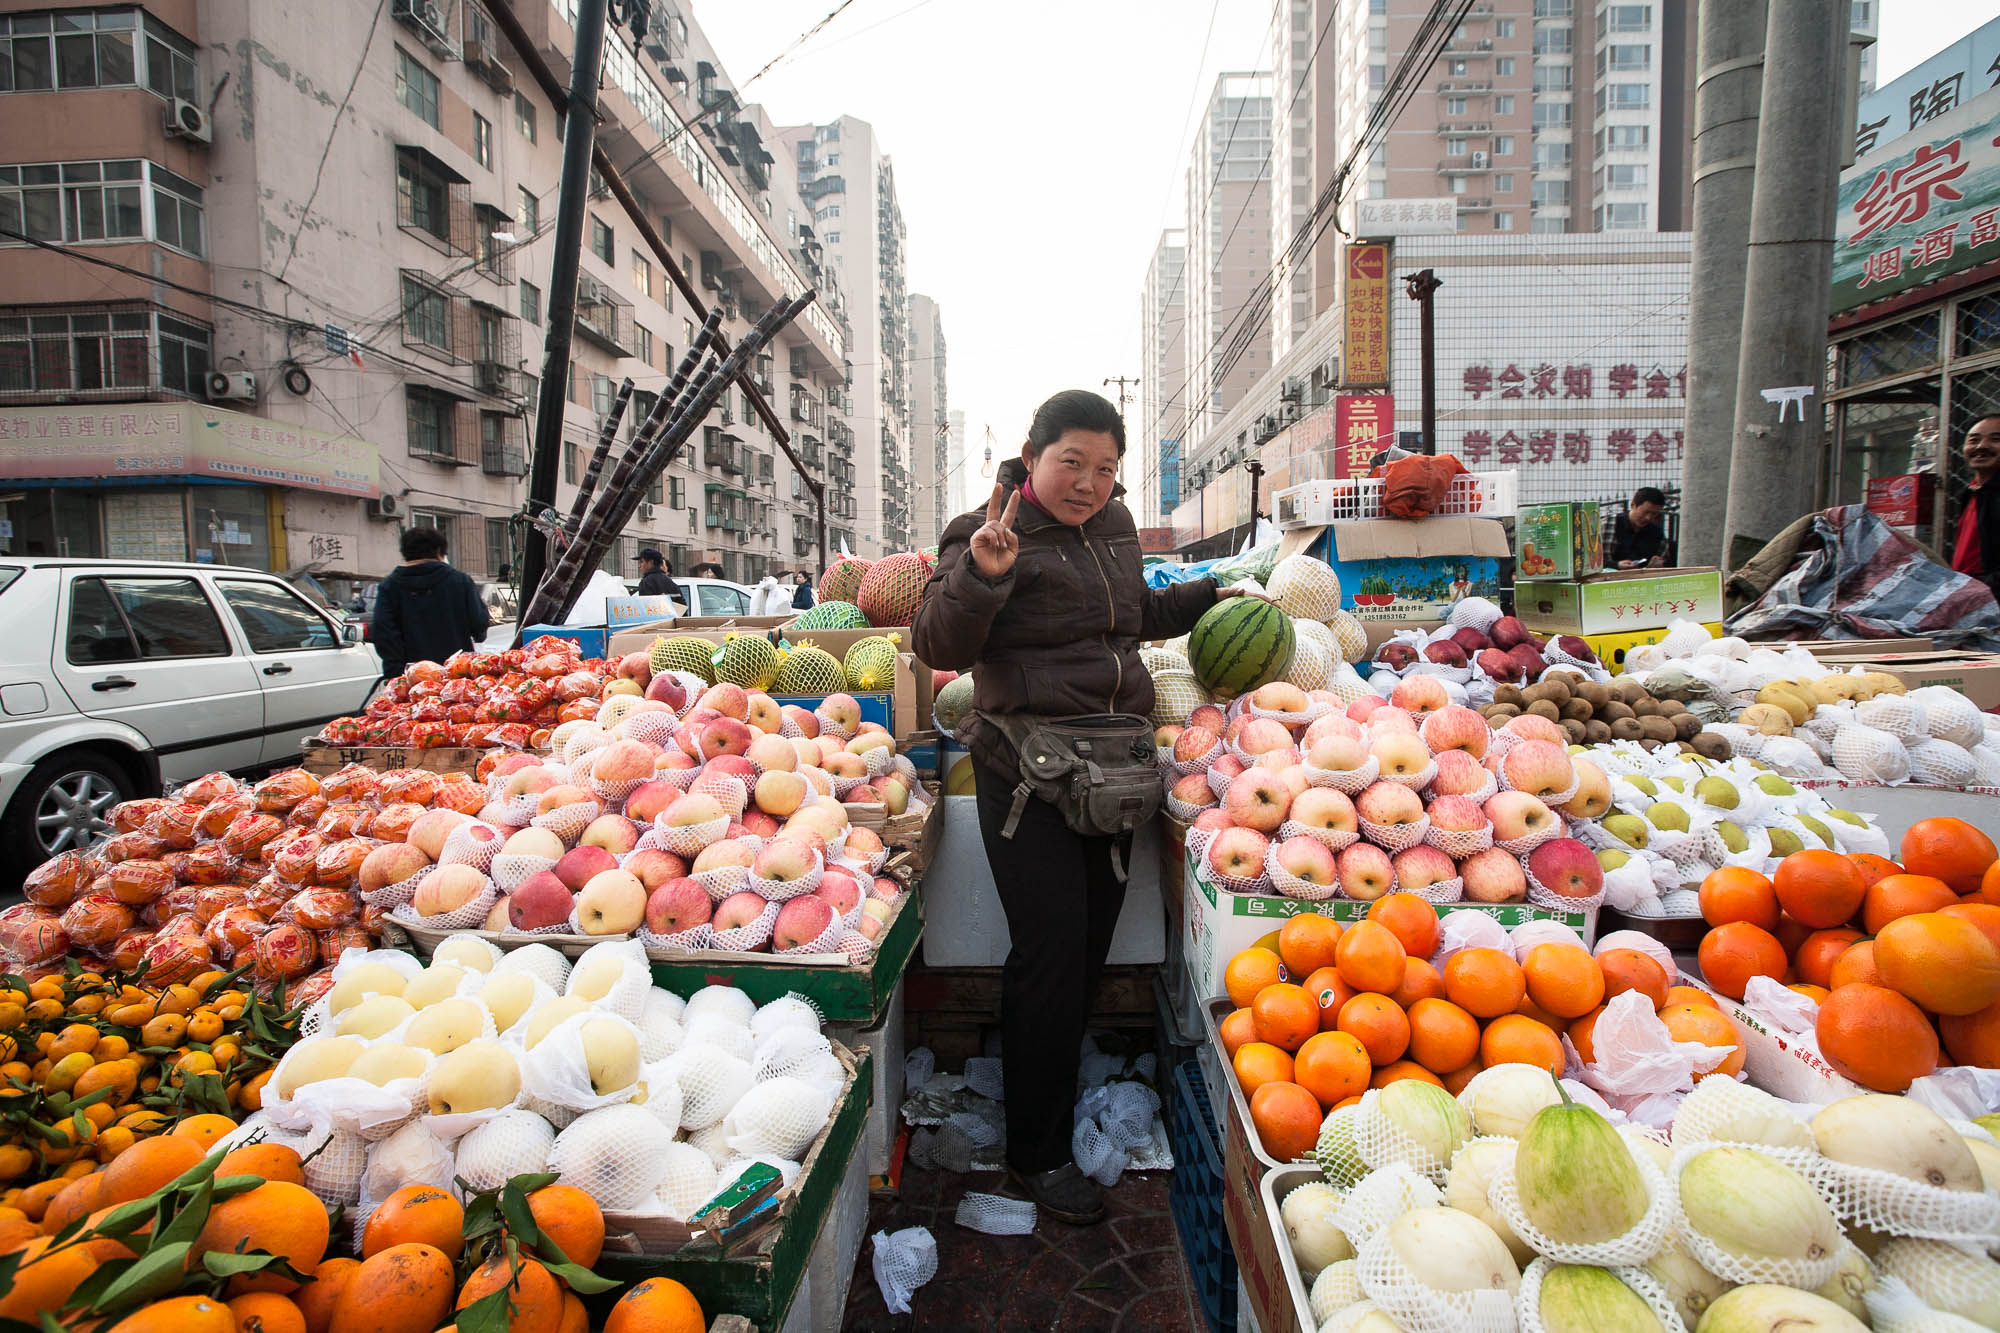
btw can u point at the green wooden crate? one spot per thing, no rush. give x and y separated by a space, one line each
760 1282
847 995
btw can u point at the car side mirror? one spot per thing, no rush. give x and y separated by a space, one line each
350 633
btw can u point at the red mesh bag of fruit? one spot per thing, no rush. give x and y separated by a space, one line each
95 921
284 952
220 813
281 791
58 880
1415 487
415 786
209 787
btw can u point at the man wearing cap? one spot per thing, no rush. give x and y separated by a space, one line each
655 579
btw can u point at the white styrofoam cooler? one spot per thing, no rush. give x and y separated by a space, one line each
821 1300
965 927
885 1041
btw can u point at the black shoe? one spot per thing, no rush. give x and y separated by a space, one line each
1065 1194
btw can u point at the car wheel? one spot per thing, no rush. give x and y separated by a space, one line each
64 805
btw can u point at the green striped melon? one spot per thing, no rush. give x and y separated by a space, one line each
1240 644
831 615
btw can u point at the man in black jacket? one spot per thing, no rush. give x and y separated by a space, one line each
425 610
656 577
1976 547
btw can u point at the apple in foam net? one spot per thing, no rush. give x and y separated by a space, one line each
764 714
772 753
1421 866
1280 697
863 844
1532 663
564 794
578 866
843 710
1227 765
1238 853
1332 724
895 789
841 889
726 735
614 833
624 761
720 855
737 910
1365 871
1420 693
1326 809
1508 631
531 780
540 900
1593 791
845 765
1456 814
636 666
801 920
1540 768
1389 803
629 688
1389 718
514 763
1307 859
676 761
612 903
1338 752
1194 790
728 699
1400 754
499 914
693 809
677 905
429 830
1214 819
391 863
1193 743
1493 876
447 889
1296 779
1208 715
779 791
534 842
886 888
784 861
1456 727
732 766
757 824
655 866
1260 734
1277 761
1257 800
1567 867
802 718
649 798
1517 814
1458 774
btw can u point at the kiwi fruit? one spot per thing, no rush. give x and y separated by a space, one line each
1710 745
1686 726
1543 708
1509 694
1627 729
1649 744
1573 729
1596 732
1598 694
1577 710
1556 691
1617 710
1499 712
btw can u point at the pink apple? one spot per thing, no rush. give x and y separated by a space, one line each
623 761
729 766
764 715
688 739
1567 867
1208 715
1306 858
1390 718
1534 727
514 763
1238 853
1593 791
801 920
581 864
636 666
533 841
1227 765
1540 768
1517 814
612 903
1194 790
1400 755
1389 803
1459 774
784 861
1296 778
677 905
1257 800
1277 761
865 794
772 753
885 888
725 735
655 866
718 855
779 791
1262 733
1280 697
870 927
1455 727
649 798
757 824
1493 876
738 909
843 710
614 833
1421 866
1456 814
391 863
1365 871
1215 818
805 721
539 900
841 889
675 761
845 765
1364 707
527 782
1193 743
693 809
1332 724
1338 752
730 700
863 844
429 830
448 888
1324 808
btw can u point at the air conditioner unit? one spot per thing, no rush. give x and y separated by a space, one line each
186 120
645 511
491 376
427 19
388 508
1479 159
225 386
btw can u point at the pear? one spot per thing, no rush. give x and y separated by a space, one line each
550 1016
1846 817
1664 816
1612 859
1628 829
367 979
1718 792
1817 829
446 1025
478 1076
465 951
439 981
375 1016
611 1052
1773 785
386 1061
1733 837
1678 784
1644 784
508 995
315 1061
594 980
1784 842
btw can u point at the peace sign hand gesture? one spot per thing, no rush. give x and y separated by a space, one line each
995 545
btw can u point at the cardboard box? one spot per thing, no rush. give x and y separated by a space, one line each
1620 602
590 639
1974 675
1827 649
1781 1065
1904 501
1611 648
1559 541
1265 1286
895 708
1406 570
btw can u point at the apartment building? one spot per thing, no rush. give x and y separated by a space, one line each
930 422
851 185
1154 480
961 480
1228 254
323 317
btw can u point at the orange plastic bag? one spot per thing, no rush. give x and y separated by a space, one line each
1415 487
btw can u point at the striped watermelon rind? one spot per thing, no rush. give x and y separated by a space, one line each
831 615
1240 644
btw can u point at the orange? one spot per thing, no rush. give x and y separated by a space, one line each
1973 1039
657 1305
1329 992
1486 983
1949 849
1420 982
1240 1026
1370 957
45 1280
1455 1081
205 1130
149 1165
80 1198
1876 1037
1629 969
1563 979
272 1161
404 1289
1443 1037
534 1297
280 1218
1690 995
1402 1069
1528 1008
1711 1027
179 1314
1332 1066
266 1312
1284 1015
1250 971
1410 919
1989 886
1944 963
1287 1118
575 1319
1737 893
1579 1035
1259 1063
1379 1023
315 1299
1814 993
1984 915
1791 933
1730 955
1857 964
1519 1040
1873 867
1903 895
1820 888
1306 943
418 1215
1814 959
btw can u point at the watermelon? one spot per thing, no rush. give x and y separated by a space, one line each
891 589
842 579
831 615
1240 644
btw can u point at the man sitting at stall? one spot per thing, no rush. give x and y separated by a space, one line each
1638 538
1976 552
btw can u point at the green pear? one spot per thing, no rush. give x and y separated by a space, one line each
1664 816
1817 829
1718 792
1784 842
1577 749
1611 858
1846 817
1678 784
1989 1123
1773 785
1644 784
1628 829
1733 837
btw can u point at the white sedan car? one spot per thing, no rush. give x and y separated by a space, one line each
120 677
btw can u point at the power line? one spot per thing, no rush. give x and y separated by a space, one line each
332 131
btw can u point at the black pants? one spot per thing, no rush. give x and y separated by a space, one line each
1062 898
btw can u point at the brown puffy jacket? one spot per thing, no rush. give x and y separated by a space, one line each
1058 635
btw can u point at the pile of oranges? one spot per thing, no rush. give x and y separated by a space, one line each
1329 1013
92 1064
1903 959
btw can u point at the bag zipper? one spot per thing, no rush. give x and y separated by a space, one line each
1111 620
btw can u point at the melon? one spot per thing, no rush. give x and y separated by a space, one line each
842 579
1756 1208
1506 1097
1305 588
871 664
1577 1180
830 615
681 653
809 671
1447 1250
1429 1117
891 590
1897 1135
1577 1298
953 702
1688 1285
1337 1287
1468 1189
1947 1277
1765 1307
748 660
1334 1151
1851 1282
1307 1213
1240 644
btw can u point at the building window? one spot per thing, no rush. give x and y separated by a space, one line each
499 548
676 493
1628 136
1454 106
642 274
1504 29
528 212
1455 148
1632 18
1378 78
531 302
1503 222
177 212
423 197
1547 194
1636 56
1553 9
524 116
1503 105
79 48
1546 225
1455 67
1458 185
482 141
416 87
1625 97
429 424
426 314
645 348
1504 67
77 353
1622 217
833 238
569 462
602 394
1503 145
1621 176
74 201
1552 41
832 160
602 242
1550 79
1503 183
1550 115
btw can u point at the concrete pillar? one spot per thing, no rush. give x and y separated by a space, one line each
1788 284
1730 87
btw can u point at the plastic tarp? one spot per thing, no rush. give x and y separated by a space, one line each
1856 577
1254 564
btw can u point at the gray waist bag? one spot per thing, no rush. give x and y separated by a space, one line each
1099 770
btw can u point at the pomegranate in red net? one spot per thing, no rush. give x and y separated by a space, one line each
209 787
248 833
310 990
324 909
352 783
212 900
177 952
465 797
58 880
307 812
95 921
129 949
129 815
269 894
138 882
220 813
210 863
283 952
342 731
338 863
174 825
413 785
281 791
340 820
232 930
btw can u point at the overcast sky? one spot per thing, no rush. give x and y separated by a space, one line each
1039 149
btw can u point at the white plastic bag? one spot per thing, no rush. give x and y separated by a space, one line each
903 1261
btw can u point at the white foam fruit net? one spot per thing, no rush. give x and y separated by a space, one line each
708 1029
1635 1246
1721 1110
1528 1301
1420 1308
1894 1308
1305 588
995 1215
1943 764
688 1181
335 1160
537 960
778 1117
1948 1283
612 1154
711 1080
790 1052
513 1143
1864 754
903 1261
1899 715
569 821
1808 1273
1895 1205
1949 715
1337 1287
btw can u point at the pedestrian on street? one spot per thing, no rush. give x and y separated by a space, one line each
1042 596
1977 549
425 610
802 591
769 597
656 577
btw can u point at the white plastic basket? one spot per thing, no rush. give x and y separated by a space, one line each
1315 504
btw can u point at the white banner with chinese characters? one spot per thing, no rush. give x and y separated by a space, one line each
178 439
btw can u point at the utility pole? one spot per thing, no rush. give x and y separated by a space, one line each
1776 463
579 137
1728 92
1256 468
1422 287
1124 396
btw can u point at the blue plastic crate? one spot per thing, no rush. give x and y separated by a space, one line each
1194 1195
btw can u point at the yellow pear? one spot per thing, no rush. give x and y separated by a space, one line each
476 1077
315 1060
374 1016
367 979
551 1015
447 1025
508 996
386 1061
439 981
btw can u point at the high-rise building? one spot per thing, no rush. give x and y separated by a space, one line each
1228 254
1303 87
1866 17
930 422
323 318
851 184
1154 484
961 479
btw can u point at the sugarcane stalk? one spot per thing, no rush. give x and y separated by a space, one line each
598 455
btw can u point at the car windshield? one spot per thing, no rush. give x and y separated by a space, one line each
8 573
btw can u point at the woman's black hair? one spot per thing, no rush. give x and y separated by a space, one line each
1074 409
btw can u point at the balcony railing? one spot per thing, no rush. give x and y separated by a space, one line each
603 318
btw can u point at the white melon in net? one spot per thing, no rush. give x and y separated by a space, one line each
689 1181
1437 1270
1337 1287
513 1143
1346 685
787 1011
1305 588
1721 1110
1319 632
1350 634
662 1003
1942 764
723 1001
1157 660
1949 715
1898 714
1864 754
539 960
711 1081
1308 666
779 1117
611 1154
334 1163
713 1141
719 1031
1894 1308
1954 1279
660 1093
659 1036
789 1050
1176 695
